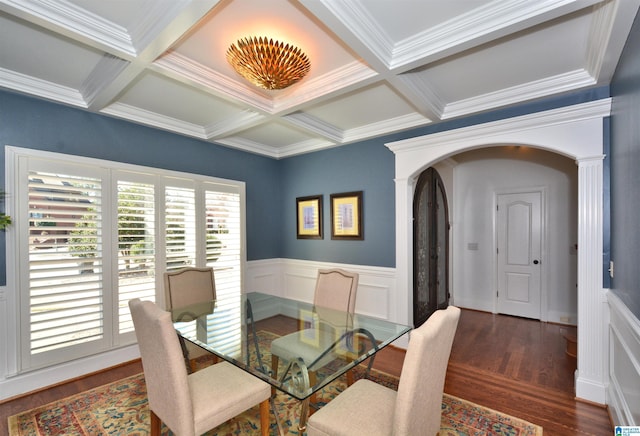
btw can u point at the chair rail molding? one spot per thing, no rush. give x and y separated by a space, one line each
296 279
573 131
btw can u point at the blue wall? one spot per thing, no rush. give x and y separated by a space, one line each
369 166
36 124
625 173
272 185
366 166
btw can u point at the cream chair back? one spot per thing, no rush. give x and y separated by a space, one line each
193 288
418 404
164 368
336 289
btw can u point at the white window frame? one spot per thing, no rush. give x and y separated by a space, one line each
14 363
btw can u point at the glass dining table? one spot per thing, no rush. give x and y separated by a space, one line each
317 346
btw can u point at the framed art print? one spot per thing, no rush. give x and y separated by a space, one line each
309 217
346 216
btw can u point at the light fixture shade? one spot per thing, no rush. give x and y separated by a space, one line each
267 63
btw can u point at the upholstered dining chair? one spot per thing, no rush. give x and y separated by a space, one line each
191 288
193 291
335 289
190 404
368 409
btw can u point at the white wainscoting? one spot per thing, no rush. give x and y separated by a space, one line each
296 279
624 364
284 277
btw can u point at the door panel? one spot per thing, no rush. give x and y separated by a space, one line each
519 234
430 245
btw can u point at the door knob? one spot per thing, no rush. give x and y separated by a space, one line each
535 262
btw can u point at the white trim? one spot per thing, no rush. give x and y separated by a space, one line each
14 380
12 150
32 381
295 279
574 131
622 394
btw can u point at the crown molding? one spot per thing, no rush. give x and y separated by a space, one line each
385 127
249 146
131 113
608 35
304 147
41 88
426 95
105 72
153 21
229 126
585 111
187 70
353 74
313 124
483 24
75 20
516 94
355 17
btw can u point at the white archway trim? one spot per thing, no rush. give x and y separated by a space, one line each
575 131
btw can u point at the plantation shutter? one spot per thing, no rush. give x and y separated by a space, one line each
136 247
180 227
91 235
223 248
66 304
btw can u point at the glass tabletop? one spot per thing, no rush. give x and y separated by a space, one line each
294 346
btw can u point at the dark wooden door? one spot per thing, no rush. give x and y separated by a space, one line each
430 247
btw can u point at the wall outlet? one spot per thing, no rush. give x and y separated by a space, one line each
611 268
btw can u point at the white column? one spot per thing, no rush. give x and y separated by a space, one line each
402 306
591 375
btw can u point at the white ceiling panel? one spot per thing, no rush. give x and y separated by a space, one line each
535 54
377 66
372 104
151 92
38 53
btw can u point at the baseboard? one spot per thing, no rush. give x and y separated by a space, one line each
38 379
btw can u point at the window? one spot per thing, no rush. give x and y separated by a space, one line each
96 234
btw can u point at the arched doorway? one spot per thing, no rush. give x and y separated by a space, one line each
430 247
576 132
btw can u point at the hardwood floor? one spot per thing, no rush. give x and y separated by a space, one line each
520 367
513 365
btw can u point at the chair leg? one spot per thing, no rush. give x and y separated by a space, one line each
185 354
312 382
264 418
274 369
350 377
156 424
274 365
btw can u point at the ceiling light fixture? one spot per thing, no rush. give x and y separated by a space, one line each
267 63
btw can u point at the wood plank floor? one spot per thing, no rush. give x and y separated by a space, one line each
513 365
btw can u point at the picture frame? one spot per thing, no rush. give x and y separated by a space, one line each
309 217
346 216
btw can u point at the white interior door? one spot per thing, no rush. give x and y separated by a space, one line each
519 235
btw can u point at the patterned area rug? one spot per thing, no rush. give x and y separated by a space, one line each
120 408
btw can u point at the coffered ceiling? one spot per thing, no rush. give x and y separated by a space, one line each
377 66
